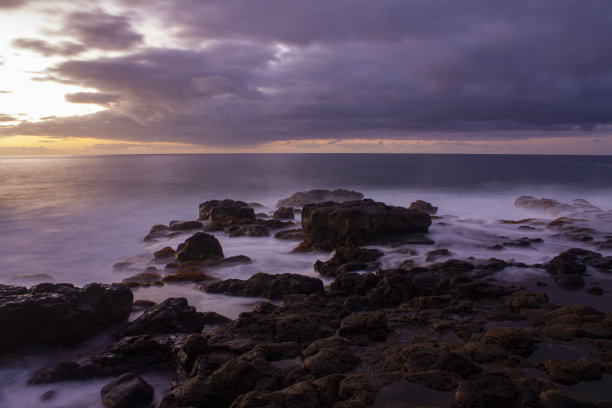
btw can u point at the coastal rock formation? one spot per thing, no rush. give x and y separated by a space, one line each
268 286
302 198
284 212
127 391
349 259
215 210
59 314
290 235
424 206
200 247
332 225
553 206
173 315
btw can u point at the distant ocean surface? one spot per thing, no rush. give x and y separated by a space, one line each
73 217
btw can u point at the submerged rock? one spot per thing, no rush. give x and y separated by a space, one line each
267 286
332 225
302 198
127 391
200 247
59 314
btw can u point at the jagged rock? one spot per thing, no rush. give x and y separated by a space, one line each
127 391
173 315
349 259
200 247
215 210
302 198
268 286
284 212
423 206
292 235
332 225
59 314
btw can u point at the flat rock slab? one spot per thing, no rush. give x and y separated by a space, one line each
268 286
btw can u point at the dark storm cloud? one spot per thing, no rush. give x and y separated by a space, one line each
47 49
92 97
343 68
101 30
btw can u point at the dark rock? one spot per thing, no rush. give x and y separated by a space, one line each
595 290
523 242
437 254
143 279
200 247
284 212
185 225
349 259
127 391
423 206
570 372
268 286
364 328
513 339
569 281
173 315
571 322
11 290
60 314
142 304
290 235
553 206
332 225
353 284
258 231
302 198
560 399
457 364
328 356
216 210
157 231
164 254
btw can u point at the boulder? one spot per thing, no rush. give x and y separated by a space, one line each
284 212
127 391
349 259
163 254
173 315
200 247
364 328
553 206
423 206
328 356
302 198
331 225
290 235
267 286
185 225
215 210
59 314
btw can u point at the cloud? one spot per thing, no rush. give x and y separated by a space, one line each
101 30
11 4
47 49
7 118
97 98
246 73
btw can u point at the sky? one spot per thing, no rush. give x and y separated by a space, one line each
389 76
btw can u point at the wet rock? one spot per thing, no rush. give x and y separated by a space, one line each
513 339
284 212
570 372
173 315
560 399
523 242
185 225
59 314
143 279
553 206
349 259
302 198
200 247
127 391
215 210
353 284
12 290
164 254
328 356
332 225
437 254
435 379
457 364
423 206
258 231
268 286
364 328
571 322
568 268
498 390
157 231
290 235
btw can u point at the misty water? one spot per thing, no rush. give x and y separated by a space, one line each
69 219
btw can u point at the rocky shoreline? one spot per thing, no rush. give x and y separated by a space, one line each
445 333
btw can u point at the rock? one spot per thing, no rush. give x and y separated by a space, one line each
157 231
143 279
185 225
568 268
523 242
215 210
200 247
173 315
353 284
513 339
302 198
328 356
457 364
267 286
364 328
570 372
332 225
59 314
560 399
437 254
349 259
127 391
572 321
291 235
553 206
258 231
595 290
284 213
423 206
164 254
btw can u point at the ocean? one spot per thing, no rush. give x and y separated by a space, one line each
69 219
